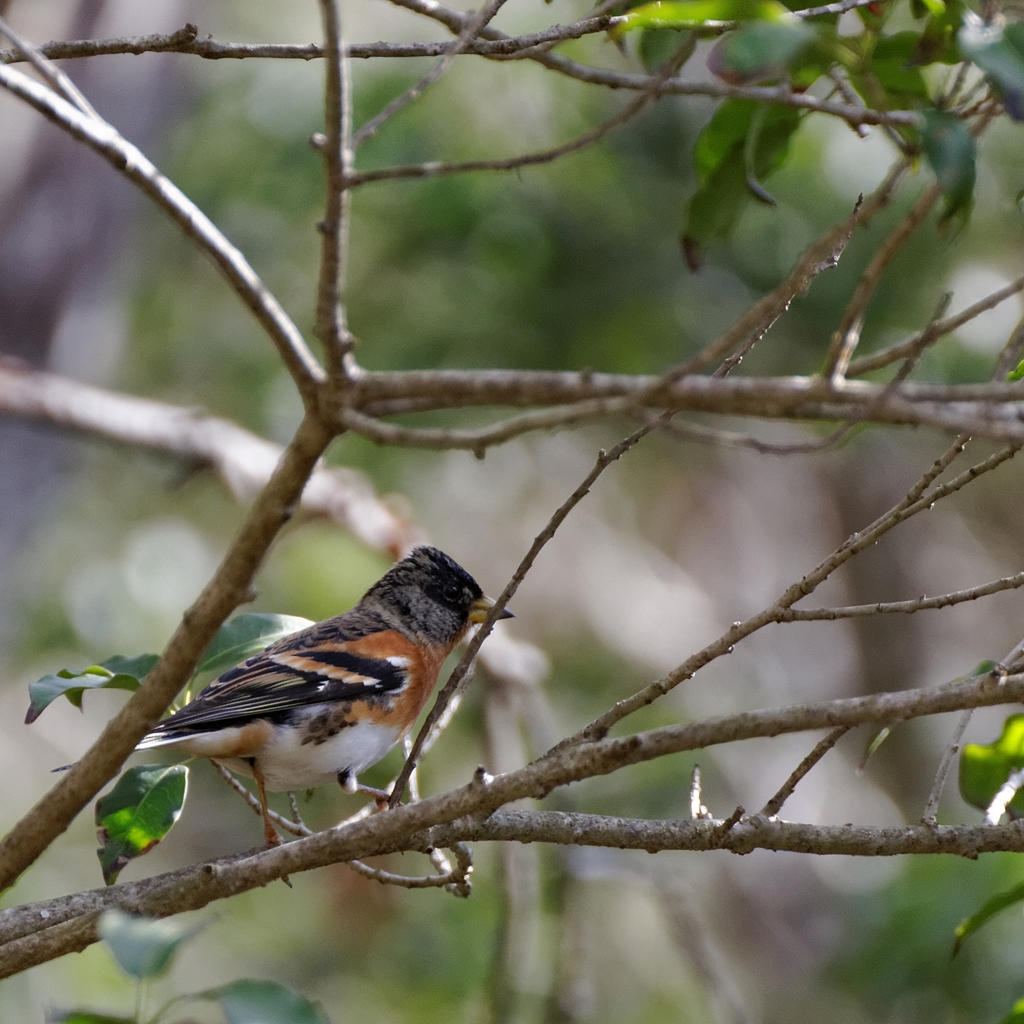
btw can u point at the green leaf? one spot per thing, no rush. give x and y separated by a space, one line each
137 813
721 158
694 13
117 673
1017 374
245 635
951 150
657 45
938 40
969 925
1016 1015
143 947
86 1017
760 50
890 69
264 1002
999 52
874 742
985 767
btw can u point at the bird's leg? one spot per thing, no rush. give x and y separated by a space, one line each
269 832
351 784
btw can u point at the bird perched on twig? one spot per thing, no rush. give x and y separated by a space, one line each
326 703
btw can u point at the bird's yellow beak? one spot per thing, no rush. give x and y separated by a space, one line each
481 606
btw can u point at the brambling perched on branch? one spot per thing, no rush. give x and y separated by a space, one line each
326 703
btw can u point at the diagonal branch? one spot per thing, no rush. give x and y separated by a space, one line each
229 587
918 499
604 460
244 461
847 335
472 27
137 168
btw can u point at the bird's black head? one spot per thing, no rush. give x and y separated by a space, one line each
432 596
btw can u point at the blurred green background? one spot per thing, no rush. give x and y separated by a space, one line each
571 265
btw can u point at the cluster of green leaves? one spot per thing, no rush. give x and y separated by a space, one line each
764 42
147 800
145 949
984 770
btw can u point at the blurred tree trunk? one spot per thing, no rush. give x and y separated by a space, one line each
65 224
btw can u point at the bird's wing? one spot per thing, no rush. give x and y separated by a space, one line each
313 667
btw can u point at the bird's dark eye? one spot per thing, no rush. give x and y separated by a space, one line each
452 592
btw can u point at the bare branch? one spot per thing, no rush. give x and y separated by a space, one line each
982 410
67 924
337 153
903 607
58 81
915 501
472 27
931 807
821 748
934 331
186 41
136 167
604 460
243 460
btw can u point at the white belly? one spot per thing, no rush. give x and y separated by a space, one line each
290 765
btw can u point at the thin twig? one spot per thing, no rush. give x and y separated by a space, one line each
846 91
903 607
624 116
821 748
439 881
931 806
848 334
604 460
474 25
934 331
50 72
296 826
821 255
697 808
484 437
916 501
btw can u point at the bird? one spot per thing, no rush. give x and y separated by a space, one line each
325 703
